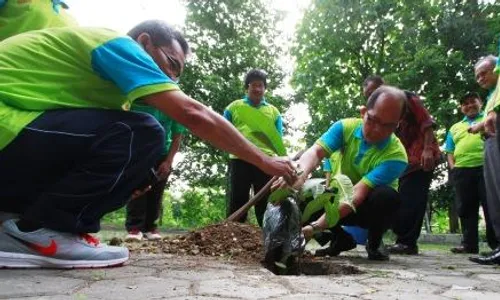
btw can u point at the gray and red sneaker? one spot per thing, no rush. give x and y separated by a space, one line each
46 248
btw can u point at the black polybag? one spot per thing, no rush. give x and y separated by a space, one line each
283 238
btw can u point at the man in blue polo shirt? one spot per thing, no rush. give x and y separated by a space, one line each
66 130
373 158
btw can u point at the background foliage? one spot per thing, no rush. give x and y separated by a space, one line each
427 46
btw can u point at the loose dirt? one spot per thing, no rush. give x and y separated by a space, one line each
235 242
232 241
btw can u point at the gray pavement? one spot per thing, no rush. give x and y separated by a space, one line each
432 275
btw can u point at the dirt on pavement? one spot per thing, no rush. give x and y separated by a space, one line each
235 242
229 240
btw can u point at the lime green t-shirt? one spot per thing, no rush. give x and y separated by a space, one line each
238 113
373 164
18 16
71 67
466 147
170 126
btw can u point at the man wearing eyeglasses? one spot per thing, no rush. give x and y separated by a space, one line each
373 158
416 132
72 150
486 71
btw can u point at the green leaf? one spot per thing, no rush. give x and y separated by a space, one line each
345 188
279 195
312 188
315 205
332 212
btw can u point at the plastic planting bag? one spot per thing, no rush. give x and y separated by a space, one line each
288 210
283 238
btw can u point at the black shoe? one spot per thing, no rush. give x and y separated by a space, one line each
341 241
464 249
399 248
493 259
377 254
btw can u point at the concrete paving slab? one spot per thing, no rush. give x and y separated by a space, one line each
25 283
432 276
244 288
135 288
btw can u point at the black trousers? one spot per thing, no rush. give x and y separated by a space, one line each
470 193
414 190
376 214
143 211
243 176
70 167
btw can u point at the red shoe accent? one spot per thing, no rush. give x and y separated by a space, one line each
90 239
49 250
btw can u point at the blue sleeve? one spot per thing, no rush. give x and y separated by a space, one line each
227 115
333 139
125 63
449 146
327 166
2 3
279 125
385 173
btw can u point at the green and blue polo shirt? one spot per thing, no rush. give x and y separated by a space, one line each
18 16
331 163
170 126
72 67
235 114
466 147
373 164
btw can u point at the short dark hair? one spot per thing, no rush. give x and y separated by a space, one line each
161 33
377 79
468 96
491 59
255 75
384 89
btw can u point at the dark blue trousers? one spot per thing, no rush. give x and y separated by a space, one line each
414 191
70 167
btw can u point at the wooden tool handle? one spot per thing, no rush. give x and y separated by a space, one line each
242 210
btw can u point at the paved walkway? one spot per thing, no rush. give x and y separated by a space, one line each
430 276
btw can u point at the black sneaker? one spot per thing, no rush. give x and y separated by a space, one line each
341 241
399 248
379 253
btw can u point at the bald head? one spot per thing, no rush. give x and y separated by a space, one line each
393 98
381 116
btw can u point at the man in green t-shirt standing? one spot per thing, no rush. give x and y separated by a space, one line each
66 130
143 211
373 158
244 175
465 152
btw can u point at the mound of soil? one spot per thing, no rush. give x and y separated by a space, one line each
230 240
240 243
